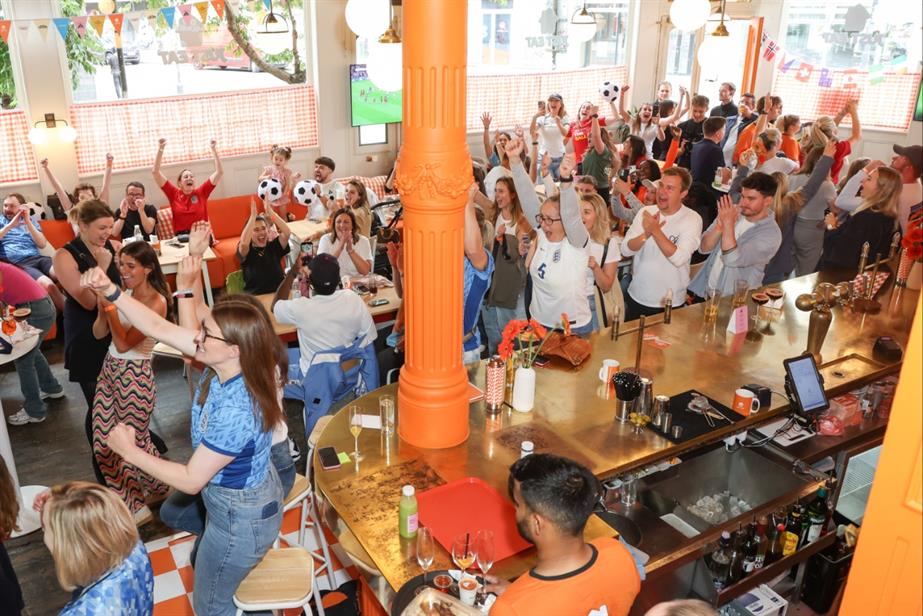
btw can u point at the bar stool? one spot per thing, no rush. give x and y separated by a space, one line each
284 579
302 495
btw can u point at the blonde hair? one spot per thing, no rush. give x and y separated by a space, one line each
823 129
91 531
602 230
887 192
785 204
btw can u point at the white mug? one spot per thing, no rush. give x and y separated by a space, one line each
608 370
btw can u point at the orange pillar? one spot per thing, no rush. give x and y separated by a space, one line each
433 175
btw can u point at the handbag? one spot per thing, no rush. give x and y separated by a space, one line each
611 301
566 345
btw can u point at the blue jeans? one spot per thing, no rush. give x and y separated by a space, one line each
594 319
554 166
495 319
34 373
241 527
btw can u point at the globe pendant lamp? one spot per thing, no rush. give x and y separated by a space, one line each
368 18
689 15
385 66
717 46
582 26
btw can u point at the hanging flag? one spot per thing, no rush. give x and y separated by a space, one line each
771 48
185 10
80 24
267 4
5 30
787 65
876 74
826 78
97 22
116 19
899 64
202 8
218 5
42 26
62 24
168 12
849 78
804 72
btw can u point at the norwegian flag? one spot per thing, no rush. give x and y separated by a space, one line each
771 48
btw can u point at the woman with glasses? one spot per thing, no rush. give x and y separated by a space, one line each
557 258
235 411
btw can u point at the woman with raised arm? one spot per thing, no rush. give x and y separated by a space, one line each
82 191
600 156
643 124
558 251
188 202
235 411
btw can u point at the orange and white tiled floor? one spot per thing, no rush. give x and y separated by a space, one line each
173 576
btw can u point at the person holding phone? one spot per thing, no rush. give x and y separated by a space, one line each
261 259
552 123
134 212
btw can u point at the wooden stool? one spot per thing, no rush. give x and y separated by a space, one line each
283 579
302 495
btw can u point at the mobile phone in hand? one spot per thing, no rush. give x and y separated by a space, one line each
328 458
307 252
541 106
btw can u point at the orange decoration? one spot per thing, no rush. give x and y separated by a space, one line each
116 19
5 30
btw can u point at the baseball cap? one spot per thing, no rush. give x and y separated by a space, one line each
555 96
325 272
914 154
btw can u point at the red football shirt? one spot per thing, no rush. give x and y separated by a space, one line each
190 208
580 133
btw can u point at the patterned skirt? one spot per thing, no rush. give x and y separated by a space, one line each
125 393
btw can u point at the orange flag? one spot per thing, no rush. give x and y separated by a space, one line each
5 30
219 8
202 7
116 19
97 22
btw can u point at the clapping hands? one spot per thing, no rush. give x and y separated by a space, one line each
199 237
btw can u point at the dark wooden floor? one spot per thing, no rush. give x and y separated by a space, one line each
56 451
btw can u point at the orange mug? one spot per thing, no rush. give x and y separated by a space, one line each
609 369
745 402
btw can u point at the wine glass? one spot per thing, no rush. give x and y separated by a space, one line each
463 552
426 552
355 428
760 298
484 544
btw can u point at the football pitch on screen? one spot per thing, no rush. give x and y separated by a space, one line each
373 106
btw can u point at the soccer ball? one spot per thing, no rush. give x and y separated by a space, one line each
307 192
269 188
609 91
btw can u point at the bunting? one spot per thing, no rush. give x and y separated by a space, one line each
185 10
5 30
116 19
80 24
42 27
97 21
202 8
804 72
218 5
62 24
826 78
168 13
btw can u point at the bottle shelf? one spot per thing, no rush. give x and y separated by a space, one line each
763 575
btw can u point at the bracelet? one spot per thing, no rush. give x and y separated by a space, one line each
561 178
115 294
183 294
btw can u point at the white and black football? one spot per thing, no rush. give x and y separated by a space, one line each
307 192
609 91
269 188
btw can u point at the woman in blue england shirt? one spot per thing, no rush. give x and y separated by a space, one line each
234 412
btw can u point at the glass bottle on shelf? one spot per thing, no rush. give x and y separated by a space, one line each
751 548
737 556
721 562
793 531
776 543
817 514
763 542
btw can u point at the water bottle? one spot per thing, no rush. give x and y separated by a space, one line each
137 234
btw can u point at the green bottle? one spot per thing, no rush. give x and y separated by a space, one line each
407 513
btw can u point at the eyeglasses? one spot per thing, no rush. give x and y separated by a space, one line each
206 335
540 219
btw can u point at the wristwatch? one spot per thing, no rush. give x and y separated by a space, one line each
564 179
183 294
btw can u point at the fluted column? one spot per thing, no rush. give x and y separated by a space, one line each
433 175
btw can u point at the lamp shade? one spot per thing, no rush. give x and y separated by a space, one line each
714 50
272 42
385 66
582 27
38 135
689 15
368 18
68 134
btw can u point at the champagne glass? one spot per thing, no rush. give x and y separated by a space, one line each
463 552
355 428
426 552
484 544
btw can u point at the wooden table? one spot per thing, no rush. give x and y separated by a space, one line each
304 229
574 414
172 253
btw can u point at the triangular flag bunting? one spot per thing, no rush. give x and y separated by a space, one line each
185 10
899 64
267 4
97 22
5 30
23 28
168 12
804 72
80 24
116 19
219 8
787 65
826 78
62 24
42 25
202 8
876 74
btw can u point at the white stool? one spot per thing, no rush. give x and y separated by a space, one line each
301 495
284 579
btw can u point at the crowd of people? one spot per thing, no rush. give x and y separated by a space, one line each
737 193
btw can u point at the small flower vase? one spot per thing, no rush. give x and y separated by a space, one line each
524 389
915 278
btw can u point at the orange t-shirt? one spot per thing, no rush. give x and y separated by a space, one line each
744 140
610 580
790 148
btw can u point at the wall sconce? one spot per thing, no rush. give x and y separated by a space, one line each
39 134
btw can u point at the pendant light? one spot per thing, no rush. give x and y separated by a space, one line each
274 35
368 18
717 46
582 26
385 66
689 15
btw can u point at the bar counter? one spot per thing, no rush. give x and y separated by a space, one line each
573 415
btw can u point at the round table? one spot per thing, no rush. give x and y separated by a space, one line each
28 521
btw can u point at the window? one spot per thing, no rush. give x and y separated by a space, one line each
195 56
373 134
850 49
17 163
680 56
8 99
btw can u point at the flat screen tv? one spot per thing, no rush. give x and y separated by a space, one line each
370 105
918 108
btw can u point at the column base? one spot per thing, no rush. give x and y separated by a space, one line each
433 417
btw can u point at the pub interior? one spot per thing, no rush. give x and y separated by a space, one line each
545 307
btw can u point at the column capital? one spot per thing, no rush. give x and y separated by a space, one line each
433 176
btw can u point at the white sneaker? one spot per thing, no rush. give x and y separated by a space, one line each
143 516
48 396
22 418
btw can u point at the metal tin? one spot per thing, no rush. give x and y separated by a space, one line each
661 406
645 401
495 388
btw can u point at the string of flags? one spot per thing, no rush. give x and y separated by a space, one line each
168 16
805 71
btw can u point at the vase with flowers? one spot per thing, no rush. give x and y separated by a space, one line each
910 268
522 343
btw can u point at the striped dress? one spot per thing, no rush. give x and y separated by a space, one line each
125 393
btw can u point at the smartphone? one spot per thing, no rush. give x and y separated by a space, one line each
623 174
361 289
656 109
541 106
328 458
307 252
379 302
541 361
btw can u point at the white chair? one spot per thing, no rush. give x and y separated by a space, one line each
284 579
302 496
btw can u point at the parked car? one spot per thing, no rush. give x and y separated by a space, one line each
130 54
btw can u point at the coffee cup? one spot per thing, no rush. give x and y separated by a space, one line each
609 368
745 402
467 590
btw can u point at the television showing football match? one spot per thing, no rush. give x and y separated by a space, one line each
369 104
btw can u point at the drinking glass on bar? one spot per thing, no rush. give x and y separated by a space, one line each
386 409
484 544
463 552
372 284
426 552
712 299
355 428
741 288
